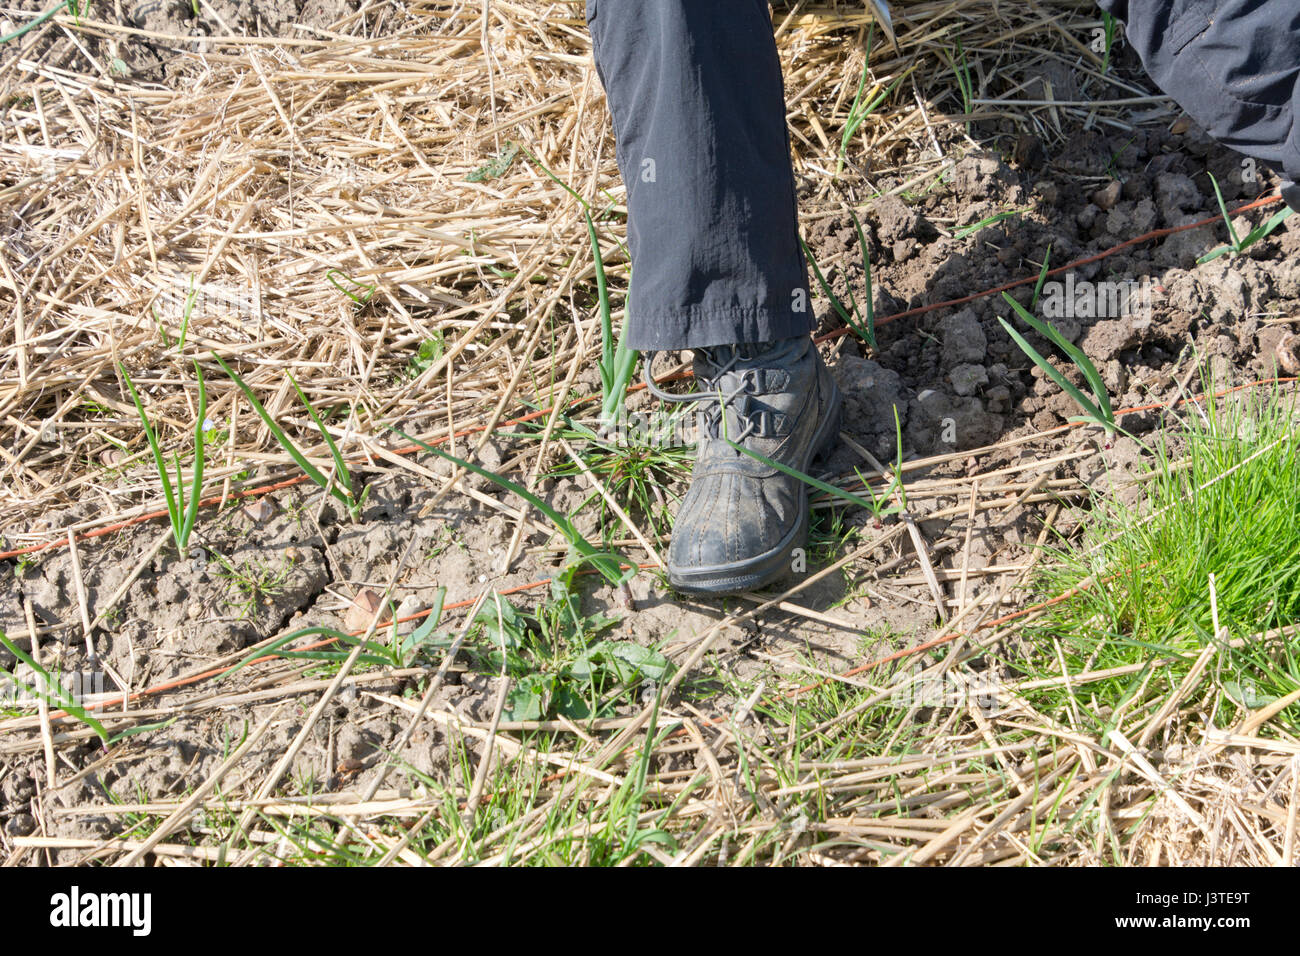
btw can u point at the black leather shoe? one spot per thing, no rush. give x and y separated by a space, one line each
741 520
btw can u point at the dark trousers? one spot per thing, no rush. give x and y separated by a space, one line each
1232 65
698 104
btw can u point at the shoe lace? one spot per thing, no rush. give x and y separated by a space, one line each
716 400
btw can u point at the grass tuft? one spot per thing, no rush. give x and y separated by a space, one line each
1217 529
182 515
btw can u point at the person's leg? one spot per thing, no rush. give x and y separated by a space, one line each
697 99
1232 65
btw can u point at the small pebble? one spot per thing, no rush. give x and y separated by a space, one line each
260 511
1108 195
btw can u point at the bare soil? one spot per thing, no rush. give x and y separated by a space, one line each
957 380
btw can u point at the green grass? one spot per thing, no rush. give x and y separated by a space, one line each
182 515
557 660
426 356
860 111
866 324
1227 506
617 361
191 297
1240 244
606 562
877 505
862 324
341 486
975 227
358 292
50 688
1097 408
1109 24
252 584
639 472
73 6
961 75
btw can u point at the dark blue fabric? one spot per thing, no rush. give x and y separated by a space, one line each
695 91
698 103
1232 65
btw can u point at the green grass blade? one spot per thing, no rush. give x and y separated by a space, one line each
807 479
358 300
870 310
173 510
180 500
602 294
380 653
1042 278
835 302
856 323
554 178
140 729
1092 410
850 126
1223 208
605 562
52 12
64 702
1213 254
427 626
1076 354
1264 230
339 657
277 432
624 366
185 318
196 480
977 226
340 465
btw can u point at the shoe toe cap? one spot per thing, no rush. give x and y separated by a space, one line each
731 519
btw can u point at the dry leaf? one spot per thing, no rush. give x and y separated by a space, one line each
362 610
260 511
1288 353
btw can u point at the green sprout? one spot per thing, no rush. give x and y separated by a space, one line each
1097 409
961 71
181 513
607 563
1239 245
61 698
342 486
359 300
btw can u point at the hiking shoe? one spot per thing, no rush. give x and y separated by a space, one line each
741 520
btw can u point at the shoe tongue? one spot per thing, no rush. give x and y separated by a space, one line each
757 375
764 364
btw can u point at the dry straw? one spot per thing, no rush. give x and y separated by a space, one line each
319 192
279 184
